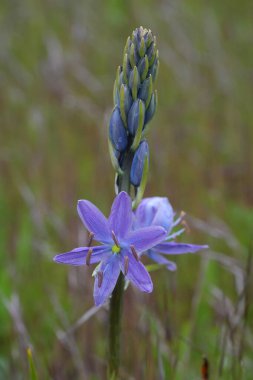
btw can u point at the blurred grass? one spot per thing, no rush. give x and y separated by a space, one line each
57 65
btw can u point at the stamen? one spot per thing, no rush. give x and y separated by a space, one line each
126 265
179 219
186 226
134 252
175 234
115 239
100 278
90 238
182 214
88 256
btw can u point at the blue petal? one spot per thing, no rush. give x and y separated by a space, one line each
146 238
94 221
178 248
161 260
137 273
78 255
111 271
120 219
154 211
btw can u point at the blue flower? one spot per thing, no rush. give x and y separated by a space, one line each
157 211
120 250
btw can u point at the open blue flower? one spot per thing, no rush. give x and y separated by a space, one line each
120 250
157 211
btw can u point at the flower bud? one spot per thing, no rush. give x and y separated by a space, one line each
151 108
153 71
125 102
145 91
143 67
117 131
138 163
136 117
134 81
155 211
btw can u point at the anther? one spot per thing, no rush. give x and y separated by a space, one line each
134 252
126 264
182 214
115 239
100 278
179 219
186 226
88 256
90 239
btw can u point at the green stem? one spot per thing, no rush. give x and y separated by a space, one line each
116 302
116 306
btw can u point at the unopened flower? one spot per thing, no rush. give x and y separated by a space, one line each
117 131
120 250
157 211
135 100
138 163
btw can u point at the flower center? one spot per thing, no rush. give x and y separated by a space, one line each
115 249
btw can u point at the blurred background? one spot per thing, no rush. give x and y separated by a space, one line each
58 62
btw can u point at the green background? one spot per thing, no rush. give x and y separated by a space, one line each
58 61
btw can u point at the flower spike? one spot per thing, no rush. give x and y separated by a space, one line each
135 103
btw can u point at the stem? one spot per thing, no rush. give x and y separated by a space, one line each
116 302
116 306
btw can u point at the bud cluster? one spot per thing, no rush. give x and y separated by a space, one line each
134 105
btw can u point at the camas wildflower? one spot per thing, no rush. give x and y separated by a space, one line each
157 211
120 250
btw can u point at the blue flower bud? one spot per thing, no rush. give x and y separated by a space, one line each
133 58
151 53
135 116
148 37
117 131
154 68
142 47
126 69
138 163
134 81
143 67
137 37
151 108
125 102
145 91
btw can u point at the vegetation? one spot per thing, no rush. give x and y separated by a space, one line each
57 68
